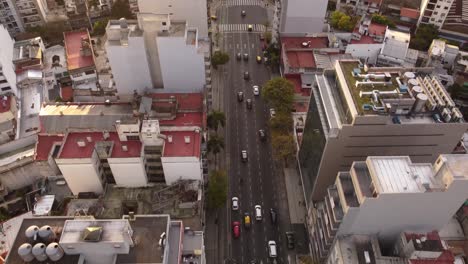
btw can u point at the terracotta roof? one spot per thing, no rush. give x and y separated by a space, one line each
409 12
73 45
185 101
44 145
178 147
377 29
184 119
296 80
301 59
66 93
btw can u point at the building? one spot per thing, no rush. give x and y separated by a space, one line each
10 18
359 111
360 7
32 12
194 13
7 69
28 55
156 51
132 239
366 40
434 12
395 50
299 17
8 118
77 14
367 200
456 22
56 73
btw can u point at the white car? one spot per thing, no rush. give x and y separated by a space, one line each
256 90
272 113
235 203
258 213
272 249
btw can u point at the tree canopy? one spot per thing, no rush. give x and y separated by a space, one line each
423 37
99 27
219 58
217 189
341 21
215 119
383 20
51 32
282 123
279 93
215 144
283 146
121 9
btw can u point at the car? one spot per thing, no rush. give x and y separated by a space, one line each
246 56
236 229
247 222
290 239
262 134
214 17
249 103
256 90
244 156
272 112
235 203
240 96
272 249
249 28
243 13
273 215
258 212
239 56
259 59
246 75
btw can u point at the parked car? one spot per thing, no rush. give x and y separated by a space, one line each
262 134
249 103
256 90
243 13
273 215
250 28
244 156
246 56
246 75
258 212
290 239
272 249
239 56
235 203
247 221
236 229
240 96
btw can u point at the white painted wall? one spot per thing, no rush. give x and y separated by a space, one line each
363 51
128 172
129 66
6 57
80 175
186 168
193 11
182 67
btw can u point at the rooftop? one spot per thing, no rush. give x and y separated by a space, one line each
409 12
364 40
28 49
182 144
377 29
301 59
185 101
44 145
71 147
184 119
311 42
296 80
79 50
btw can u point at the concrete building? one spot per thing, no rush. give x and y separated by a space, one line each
28 55
299 17
434 12
78 15
360 7
7 69
32 12
8 118
359 111
55 72
132 239
368 199
194 13
395 50
156 51
10 18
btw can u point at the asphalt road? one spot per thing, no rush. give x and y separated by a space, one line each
255 182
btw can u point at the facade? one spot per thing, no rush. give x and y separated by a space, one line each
361 7
359 111
32 12
7 72
367 200
299 17
194 13
157 51
434 12
8 118
10 18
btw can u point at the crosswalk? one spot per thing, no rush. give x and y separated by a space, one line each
241 28
243 3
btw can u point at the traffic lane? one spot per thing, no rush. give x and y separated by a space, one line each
253 15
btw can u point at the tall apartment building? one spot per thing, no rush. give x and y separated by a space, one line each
152 53
299 17
10 18
32 12
386 196
194 13
359 111
7 69
434 12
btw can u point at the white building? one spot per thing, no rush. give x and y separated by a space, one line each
193 12
7 69
299 17
32 12
388 195
434 12
150 55
395 50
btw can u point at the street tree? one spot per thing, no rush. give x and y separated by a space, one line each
281 123
121 9
215 144
215 119
219 58
268 37
283 147
217 189
279 93
423 37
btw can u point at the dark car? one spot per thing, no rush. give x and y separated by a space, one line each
240 96
239 56
262 134
243 13
290 239
249 103
273 215
246 56
246 75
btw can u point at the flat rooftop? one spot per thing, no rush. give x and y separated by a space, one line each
301 59
297 42
75 41
182 144
184 119
185 101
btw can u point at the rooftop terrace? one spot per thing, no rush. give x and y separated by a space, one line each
76 45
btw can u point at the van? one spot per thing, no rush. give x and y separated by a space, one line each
258 213
272 249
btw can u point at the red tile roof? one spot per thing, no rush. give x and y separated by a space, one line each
409 12
364 40
296 42
71 149
44 145
66 93
185 101
301 59
184 119
178 147
377 29
73 46
5 103
296 80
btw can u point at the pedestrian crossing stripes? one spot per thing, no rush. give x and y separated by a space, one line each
243 3
241 27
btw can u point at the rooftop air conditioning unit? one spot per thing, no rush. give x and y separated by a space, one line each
169 139
187 139
124 148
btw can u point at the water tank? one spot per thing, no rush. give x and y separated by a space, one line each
39 252
421 100
412 82
31 232
54 251
46 233
409 75
25 252
416 90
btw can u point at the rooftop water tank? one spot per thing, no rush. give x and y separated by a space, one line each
54 251
409 75
416 90
25 252
421 100
39 252
31 232
412 82
46 233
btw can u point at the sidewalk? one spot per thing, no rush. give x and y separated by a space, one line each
297 209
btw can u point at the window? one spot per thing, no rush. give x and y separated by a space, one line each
435 13
437 6
445 7
133 138
163 23
6 89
